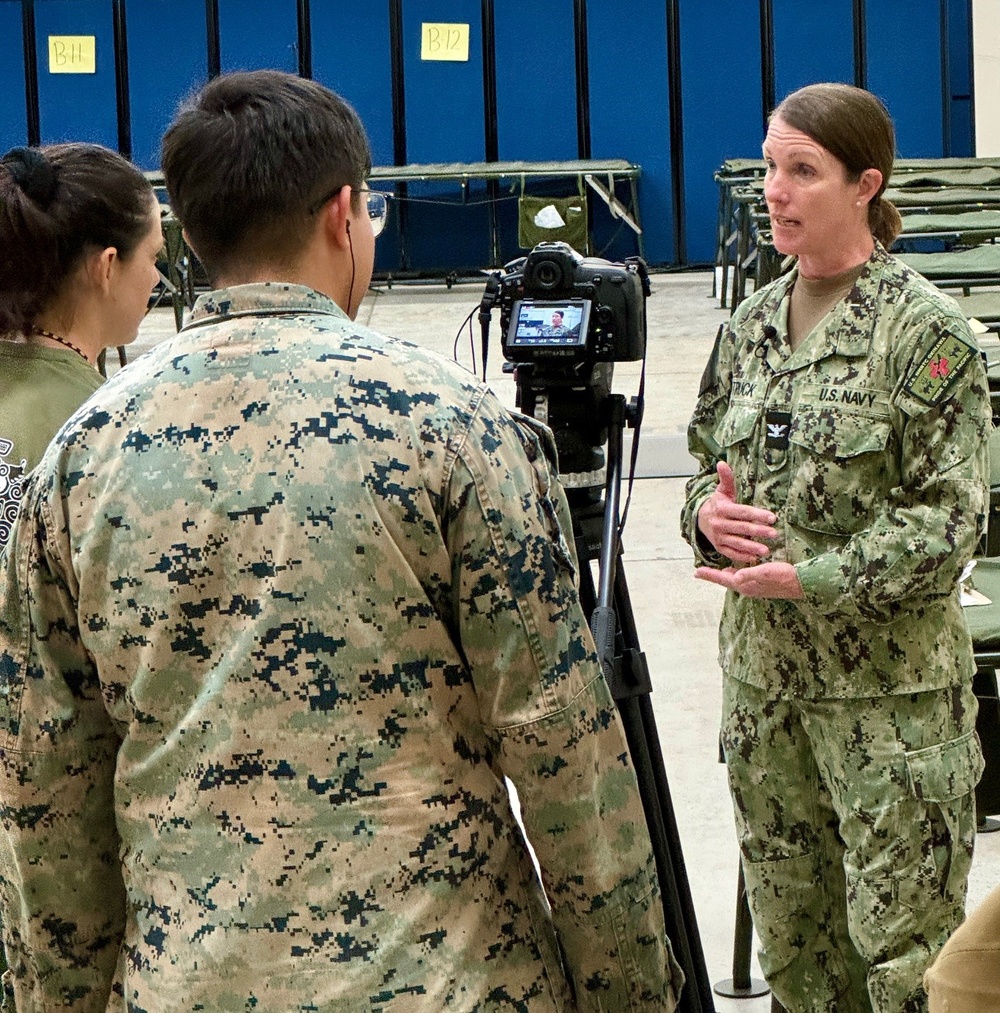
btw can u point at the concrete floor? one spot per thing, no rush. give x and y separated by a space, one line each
676 616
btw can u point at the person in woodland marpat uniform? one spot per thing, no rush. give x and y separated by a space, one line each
79 237
841 434
285 605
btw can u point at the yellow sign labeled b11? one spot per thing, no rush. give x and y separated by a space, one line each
441 41
72 54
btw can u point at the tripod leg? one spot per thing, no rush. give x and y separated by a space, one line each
741 985
636 713
743 937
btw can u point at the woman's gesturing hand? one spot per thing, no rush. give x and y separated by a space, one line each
735 529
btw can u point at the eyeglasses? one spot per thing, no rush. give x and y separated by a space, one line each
377 203
378 210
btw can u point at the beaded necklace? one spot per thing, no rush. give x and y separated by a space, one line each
62 341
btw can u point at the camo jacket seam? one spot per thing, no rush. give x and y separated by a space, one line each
486 506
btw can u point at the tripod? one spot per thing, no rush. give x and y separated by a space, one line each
596 530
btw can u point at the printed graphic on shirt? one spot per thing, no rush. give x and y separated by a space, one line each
942 365
11 479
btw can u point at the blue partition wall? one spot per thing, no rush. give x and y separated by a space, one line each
536 80
352 54
163 68
255 34
812 42
677 87
13 109
905 56
722 106
536 99
77 107
445 122
960 128
629 118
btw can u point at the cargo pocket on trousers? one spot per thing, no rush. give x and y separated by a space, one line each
905 889
947 771
941 777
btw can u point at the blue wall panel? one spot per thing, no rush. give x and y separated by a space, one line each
164 67
13 112
77 107
721 95
904 70
962 139
918 62
351 53
812 42
259 34
536 99
445 123
630 118
444 100
536 81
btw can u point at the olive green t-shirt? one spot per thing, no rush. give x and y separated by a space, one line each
40 388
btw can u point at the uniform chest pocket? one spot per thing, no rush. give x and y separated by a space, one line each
736 436
737 427
842 471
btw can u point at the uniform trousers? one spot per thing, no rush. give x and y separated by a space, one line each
856 823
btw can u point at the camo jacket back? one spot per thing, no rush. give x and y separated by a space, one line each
869 443
286 602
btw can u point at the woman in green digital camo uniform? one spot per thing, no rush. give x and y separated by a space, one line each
841 433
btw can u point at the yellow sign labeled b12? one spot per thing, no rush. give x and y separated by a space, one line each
441 41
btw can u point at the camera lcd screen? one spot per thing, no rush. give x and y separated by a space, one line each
546 323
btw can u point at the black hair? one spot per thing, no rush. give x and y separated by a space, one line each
251 156
57 203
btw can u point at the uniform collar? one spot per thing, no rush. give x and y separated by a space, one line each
846 333
260 299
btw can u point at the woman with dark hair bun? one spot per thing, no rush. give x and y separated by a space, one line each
841 434
79 238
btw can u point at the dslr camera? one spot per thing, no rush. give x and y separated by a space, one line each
559 307
565 320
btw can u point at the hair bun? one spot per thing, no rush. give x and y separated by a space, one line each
33 173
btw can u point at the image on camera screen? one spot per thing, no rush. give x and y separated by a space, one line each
547 323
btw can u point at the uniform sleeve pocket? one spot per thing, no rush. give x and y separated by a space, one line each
947 771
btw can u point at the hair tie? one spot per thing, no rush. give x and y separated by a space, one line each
33 173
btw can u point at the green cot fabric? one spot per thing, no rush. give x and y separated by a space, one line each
985 307
572 210
965 197
961 223
969 175
979 262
